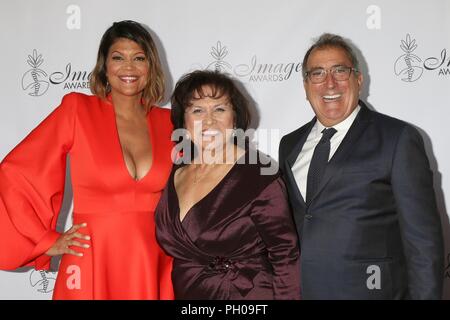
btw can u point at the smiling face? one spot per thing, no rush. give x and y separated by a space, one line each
332 101
209 120
127 68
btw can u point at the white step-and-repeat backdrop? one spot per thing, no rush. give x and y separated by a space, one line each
49 48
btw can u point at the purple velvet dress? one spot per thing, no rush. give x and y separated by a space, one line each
238 242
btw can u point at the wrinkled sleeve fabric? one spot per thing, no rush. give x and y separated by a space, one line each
32 180
273 220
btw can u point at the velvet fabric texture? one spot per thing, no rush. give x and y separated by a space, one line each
238 242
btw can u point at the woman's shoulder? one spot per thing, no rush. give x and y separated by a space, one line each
160 111
77 100
161 116
251 175
258 167
79 96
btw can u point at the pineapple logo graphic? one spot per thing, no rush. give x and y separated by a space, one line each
408 66
219 53
42 280
34 80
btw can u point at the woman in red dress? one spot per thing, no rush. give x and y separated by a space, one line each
119 147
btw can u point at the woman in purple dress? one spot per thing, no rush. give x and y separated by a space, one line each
226 223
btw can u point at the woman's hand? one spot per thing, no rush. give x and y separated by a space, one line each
69 239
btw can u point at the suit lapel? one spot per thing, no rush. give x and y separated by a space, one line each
344 150
292 157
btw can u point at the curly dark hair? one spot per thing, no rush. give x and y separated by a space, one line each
192 84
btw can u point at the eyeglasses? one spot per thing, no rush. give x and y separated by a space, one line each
339 73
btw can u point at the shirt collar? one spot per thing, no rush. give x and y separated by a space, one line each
342 126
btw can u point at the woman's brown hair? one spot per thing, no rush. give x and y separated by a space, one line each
154 90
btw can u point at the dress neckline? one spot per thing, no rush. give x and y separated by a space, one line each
119 145
204 198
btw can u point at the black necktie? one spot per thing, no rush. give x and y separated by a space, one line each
318 163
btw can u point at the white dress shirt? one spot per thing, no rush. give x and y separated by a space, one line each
301 165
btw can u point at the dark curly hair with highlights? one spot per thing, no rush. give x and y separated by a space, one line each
192 84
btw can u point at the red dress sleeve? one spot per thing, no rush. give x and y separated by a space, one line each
32 180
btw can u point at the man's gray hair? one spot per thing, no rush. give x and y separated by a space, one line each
329 40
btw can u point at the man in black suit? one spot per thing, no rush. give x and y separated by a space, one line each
361 191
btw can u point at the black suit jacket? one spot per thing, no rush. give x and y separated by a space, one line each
372 231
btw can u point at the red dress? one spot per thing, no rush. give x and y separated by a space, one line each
124 260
